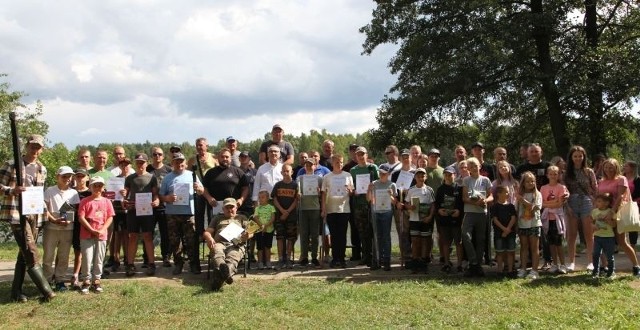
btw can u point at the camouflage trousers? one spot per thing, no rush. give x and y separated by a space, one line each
182 236
228 253
361 218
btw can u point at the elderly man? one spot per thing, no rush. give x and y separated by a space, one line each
268 173
327 150
226 253
33 175
277 138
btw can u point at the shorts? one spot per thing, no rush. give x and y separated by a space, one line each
451 234
581 205
504 244
263 240
420 229
144 224
533 231
119 222
288 228
553 236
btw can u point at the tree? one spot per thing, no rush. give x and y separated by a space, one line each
571 68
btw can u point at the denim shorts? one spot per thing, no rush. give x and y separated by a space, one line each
533 231
505 244
581 205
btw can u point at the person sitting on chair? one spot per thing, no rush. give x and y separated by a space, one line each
225 254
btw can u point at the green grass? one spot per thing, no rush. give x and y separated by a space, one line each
426 302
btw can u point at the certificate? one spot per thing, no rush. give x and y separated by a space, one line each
143 204
114 185
404 180
309 185
183 193
231 231
383 200
362 183
33 200
338 187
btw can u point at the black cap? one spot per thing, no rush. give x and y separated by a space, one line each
174 149
477 144
353 147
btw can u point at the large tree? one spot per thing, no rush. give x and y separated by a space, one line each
571 68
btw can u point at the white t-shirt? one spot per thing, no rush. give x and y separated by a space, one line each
55 199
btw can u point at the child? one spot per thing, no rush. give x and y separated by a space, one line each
503 217
529 202
554 195
419 201
81 178
310 220
449 212
386 191
604 238
337 186
95 214
285 199
58 232
265 216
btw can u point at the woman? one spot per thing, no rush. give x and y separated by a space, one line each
614 183
582 185
630 171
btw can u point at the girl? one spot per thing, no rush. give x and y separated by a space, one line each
529 202
95 214
562 167
385 190
265 216
463 171
419 201
554 195
449 212
505 179
582 185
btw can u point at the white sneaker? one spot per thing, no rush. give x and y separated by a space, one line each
553 269
562 269
532 275
571 267
522 273
590 266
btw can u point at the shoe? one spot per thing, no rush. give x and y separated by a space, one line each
61 287
303 262
130 270
195 269
375 266
289 264
177 268
75 284
636 271
478 271
343 264
166 262
115 266
334 264
611 275
315 263
224 271
532 275
105 273
259 266
595 274
281 265
355 257
97 287
216 280
562 269
151 270
590 266
144 265
446 269
546 265
460 269
109 262
387 266
86 285
267 265
522 273
571 267
553 269
19 298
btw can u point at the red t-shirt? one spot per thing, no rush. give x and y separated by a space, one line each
96 211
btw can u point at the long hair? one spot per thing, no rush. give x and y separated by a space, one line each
615 164
526 175
570 173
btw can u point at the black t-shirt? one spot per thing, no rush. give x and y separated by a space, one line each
250 176
223 182
326 162
487 170
159 173
539 170
503 212
286 149
449 197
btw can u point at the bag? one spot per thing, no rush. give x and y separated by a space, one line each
628 217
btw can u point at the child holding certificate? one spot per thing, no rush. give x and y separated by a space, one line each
382 194
419 201
336 188
310 221
265 216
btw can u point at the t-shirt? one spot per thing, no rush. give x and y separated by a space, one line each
307 201
530 218
611 187
583 184
285 193
476 187
449 197
336 196
603 228
286 149
387 189
503 212
56 198
539 170
134 183
425 196
96 211
263 215
434 177
550 193
160 174
223 182
105 174
168 187
372 170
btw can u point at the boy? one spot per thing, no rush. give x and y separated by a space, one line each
382 195
363 174
285 199
58 231
310 220
449 212
95 214
420 203
504 217
337 186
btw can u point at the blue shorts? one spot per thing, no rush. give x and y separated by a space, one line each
505 244
581 205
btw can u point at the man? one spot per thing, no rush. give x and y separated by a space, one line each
277 138
352 158
524 153
404 179
356 253
461 154
226 253
363 174
268 174
140 182
84 159
100 165
34 174
177 192
159 169
118 155
232 145
499 154
318 170
174 150
247 209
302 158
486 169
327 150
392 154
225 181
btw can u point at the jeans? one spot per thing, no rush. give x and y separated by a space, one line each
606 245
383 234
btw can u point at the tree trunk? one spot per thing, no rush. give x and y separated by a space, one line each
595 108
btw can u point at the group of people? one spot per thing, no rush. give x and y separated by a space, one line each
231 204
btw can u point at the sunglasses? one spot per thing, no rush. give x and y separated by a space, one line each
155 154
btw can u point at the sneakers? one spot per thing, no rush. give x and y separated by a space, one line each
195 268
636 271
151 270
86 285
267 265
533 275
177 269
553 269
303 262
115 266
225 273
562 269
611 275
97 287
571 267
281 265
259 266
590 266
166 262
315 263
289 264
595 274
61 287
130 271
522 273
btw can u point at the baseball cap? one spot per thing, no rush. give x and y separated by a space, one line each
64 170
361 149
230 138
477 144
353 146
433 151
449 169
406 152
141 156
229 201
36 139
81 171
125 160
384 168
421 170
277 126
96 179
178 155
244 154
174 149
310 160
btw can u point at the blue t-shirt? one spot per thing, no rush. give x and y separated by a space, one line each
168 186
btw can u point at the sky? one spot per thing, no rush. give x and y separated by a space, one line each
172 71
